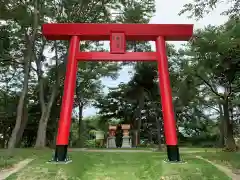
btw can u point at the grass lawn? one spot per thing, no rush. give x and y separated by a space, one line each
118 166
194 149
182 149
8 158
230 159
138 148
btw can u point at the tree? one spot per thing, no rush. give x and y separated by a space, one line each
199 8
215 61
46 107
70 15
73 12
89 86
29 32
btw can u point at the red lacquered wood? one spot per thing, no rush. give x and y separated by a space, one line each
138 32
106 56
166 93
64 124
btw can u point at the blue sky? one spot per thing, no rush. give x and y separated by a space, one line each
166 13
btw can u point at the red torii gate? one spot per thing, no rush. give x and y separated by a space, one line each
118 34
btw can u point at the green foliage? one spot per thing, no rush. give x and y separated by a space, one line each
21 43
4 43
136 11
91 143
210 61
199 8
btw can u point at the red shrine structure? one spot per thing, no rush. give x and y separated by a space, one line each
118 34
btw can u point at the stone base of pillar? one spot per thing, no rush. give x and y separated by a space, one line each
111 142
126 143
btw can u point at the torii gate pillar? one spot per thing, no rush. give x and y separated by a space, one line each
118 34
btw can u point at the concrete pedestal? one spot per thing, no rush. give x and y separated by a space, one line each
111 143
126 143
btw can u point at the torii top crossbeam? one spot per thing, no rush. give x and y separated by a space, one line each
118 34
144 32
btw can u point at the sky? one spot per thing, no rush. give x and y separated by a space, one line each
166 13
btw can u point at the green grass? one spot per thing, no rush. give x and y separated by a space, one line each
138 148
118 166
230 159
182 149
8 158
196 150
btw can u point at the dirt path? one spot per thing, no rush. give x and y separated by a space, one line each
7 172
222 168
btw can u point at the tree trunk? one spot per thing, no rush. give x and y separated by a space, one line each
23 126
159 134
230 144
5 118
13 138
139 115
30 42
150 138
46 109
42 128
3 142
53 144
135 139
80 126
221 127
41 134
